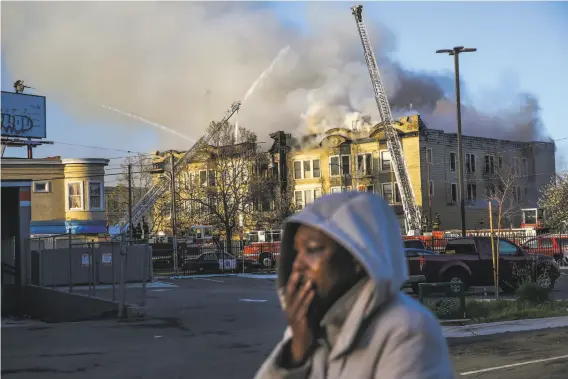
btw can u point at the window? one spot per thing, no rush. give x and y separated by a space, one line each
489 164
316 168
532 244
339 165
524 166
370 188
500 162
471 192
469 163
431 188
517 194
385 160
95 192
388 193
305 197
75 195
546 243
340 189
211 178
516 167
429 155
454 192
397 198
202 177
307 169
41 187
506 248
365 164
452 161
461 246
298 170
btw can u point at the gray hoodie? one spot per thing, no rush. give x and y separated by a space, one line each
374 330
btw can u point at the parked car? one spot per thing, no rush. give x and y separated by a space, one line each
212 262
414 244
469 261
554 245
414 258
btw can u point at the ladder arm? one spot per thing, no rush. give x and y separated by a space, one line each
147 202
412 214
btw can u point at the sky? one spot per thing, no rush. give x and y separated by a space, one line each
521 47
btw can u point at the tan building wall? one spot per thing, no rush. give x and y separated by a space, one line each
51 178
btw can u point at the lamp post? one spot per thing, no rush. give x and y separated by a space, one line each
456 51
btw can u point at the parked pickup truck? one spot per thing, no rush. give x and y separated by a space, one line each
468 260
414 260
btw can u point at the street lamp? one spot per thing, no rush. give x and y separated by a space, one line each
456 51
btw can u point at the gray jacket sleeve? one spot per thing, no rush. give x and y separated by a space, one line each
272 367
420 352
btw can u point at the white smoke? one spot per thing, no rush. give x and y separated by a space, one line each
181 65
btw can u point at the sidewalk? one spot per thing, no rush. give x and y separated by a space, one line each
473 330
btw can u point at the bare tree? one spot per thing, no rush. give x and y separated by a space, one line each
141 182
504 192
554 199
235 178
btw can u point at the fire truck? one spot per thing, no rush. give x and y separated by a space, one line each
263 246
534 218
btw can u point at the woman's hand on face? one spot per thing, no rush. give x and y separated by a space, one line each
298 300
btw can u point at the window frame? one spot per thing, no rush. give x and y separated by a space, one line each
487 160
470 164
315 196
101 188
68 193
473 188
455 161
452 185
366 171
395 198
381 161
339 165
47 186
303 171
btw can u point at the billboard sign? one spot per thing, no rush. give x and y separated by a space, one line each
23 115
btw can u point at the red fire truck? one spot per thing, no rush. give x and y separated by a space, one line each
263 246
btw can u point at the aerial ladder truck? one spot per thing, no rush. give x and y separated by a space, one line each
412 214
147 202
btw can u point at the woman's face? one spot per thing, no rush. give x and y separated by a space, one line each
320 259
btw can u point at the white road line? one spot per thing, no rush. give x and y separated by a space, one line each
514 365
210 280
253 300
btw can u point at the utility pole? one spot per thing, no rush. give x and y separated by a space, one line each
130 226
173 212
456 51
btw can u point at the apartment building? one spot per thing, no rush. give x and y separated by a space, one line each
344 160
65 193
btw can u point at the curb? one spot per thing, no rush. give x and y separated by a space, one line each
486 329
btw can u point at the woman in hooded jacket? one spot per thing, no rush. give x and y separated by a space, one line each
339 277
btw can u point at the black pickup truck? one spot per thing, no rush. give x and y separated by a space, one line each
469 260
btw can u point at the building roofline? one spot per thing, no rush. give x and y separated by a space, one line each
33 161
100 161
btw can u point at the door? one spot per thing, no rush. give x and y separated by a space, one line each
513 263
481 262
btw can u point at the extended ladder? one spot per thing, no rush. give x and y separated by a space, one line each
412 214
146 203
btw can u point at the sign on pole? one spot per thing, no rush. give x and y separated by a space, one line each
23 115
85 260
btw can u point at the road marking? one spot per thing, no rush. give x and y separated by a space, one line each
210 280
514 365
253 300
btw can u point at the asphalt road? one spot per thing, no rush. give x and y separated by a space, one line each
218 328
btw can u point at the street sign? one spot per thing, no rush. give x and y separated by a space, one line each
85 260
107 258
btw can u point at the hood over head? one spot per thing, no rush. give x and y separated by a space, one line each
363 223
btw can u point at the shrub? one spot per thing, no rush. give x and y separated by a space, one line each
533 293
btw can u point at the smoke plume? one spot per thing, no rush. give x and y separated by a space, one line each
181 64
